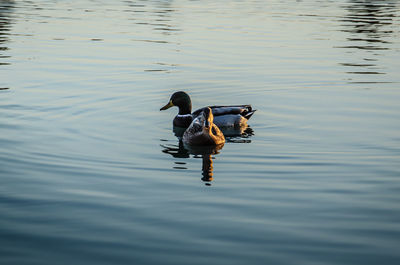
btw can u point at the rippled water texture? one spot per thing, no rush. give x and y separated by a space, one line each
91 171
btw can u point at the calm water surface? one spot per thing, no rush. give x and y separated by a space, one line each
92 173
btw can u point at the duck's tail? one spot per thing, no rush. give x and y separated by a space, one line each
249 114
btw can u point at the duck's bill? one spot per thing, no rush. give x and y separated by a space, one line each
169 104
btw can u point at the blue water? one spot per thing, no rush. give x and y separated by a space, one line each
92 173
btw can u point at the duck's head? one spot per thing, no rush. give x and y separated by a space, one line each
208 118
182 101
210 129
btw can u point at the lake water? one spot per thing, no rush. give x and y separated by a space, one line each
92 173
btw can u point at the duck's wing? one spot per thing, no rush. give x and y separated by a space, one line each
244 110
194 133
195 127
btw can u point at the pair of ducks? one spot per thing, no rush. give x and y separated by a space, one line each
204 125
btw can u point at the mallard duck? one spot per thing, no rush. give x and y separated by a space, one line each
224 116
202 131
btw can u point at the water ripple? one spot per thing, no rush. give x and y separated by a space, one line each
86 179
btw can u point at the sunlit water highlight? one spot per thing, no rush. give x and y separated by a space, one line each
92 173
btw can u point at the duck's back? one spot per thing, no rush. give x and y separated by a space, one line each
244 110
198 134
230 121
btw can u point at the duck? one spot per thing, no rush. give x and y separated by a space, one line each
234 116
202 131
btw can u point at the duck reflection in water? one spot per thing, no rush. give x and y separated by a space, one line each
206 153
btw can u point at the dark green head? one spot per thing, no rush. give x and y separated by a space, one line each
182 101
